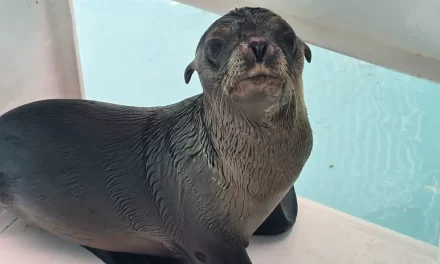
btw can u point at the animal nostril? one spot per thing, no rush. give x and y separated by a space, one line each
259 49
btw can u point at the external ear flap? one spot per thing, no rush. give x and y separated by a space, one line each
307 53
189 72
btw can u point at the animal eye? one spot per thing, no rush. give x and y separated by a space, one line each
289 38
214 46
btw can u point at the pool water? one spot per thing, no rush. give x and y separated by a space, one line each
376 151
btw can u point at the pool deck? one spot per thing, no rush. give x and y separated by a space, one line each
321 236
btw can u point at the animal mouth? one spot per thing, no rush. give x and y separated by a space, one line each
260 76
259 72
258 84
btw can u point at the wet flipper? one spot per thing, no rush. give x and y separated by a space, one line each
213 255
109 257
282 218
216 252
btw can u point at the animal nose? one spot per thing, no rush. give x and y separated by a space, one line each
259 48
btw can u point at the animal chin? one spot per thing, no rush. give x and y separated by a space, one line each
256 87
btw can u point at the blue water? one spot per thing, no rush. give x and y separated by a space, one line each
376 152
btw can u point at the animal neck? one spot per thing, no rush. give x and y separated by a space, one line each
264 156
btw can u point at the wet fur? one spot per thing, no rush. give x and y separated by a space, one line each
192 180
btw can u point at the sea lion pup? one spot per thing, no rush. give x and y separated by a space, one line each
190 181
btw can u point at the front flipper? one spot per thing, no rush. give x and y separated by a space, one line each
109 257
282 218
218 254
221 254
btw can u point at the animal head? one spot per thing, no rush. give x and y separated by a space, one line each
252 58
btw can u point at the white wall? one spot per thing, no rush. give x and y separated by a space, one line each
37 52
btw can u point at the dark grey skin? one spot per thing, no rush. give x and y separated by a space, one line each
189 182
